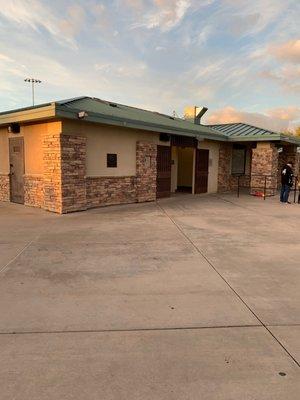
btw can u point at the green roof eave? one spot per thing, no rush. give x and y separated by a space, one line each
254 138
64 112
290 139
266 138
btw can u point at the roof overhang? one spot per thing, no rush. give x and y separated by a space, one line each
43 112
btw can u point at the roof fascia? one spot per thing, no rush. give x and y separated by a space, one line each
31 114
264 138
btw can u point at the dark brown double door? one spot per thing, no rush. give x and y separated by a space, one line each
164 161
16 161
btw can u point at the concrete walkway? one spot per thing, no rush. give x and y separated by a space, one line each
195 297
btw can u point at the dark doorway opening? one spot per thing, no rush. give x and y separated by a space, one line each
185 169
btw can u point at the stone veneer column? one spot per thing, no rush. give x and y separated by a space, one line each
146 153
224 170
64 173
4 187
52 173
264 166
73 167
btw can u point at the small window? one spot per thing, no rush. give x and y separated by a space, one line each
112 160
238 160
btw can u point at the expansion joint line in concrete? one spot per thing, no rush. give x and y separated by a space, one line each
128 330
227 283
4 268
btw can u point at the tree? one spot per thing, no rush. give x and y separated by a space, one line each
297 131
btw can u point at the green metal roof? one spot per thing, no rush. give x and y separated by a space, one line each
122 115
110 113
245 132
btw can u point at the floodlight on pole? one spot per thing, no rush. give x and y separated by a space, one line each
33 82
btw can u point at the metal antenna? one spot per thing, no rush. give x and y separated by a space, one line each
32 81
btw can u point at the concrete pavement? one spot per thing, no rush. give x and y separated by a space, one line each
193 297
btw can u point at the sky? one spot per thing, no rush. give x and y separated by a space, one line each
239 58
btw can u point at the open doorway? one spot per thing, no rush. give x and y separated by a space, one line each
182 169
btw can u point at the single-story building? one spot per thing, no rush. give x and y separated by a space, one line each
84 152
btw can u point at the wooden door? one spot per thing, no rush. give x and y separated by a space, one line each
163 180
201 172
16 160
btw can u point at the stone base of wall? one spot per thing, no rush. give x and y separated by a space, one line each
4 187
103 191
244 181
225 153
34 191
261 184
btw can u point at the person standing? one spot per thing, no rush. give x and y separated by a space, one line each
286 182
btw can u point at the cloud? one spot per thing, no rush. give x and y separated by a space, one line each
276 119
74 21
37 15
164 14
288 77
289 51
121 70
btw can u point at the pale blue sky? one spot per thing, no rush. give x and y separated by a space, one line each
239 58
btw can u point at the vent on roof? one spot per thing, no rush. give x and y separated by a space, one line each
194 114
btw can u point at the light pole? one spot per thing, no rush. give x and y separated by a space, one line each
32 81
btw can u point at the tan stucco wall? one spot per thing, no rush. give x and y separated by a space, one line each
105 139
4 160
213 148
33 146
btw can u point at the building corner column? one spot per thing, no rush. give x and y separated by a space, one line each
264 167
64 173
146 153
73 171
224 168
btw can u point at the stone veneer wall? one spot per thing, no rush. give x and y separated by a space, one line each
73 167
4 187
126 189
289 153
264 166
244 181
34 191
224 172
64 187
102 191
146 153
52 173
